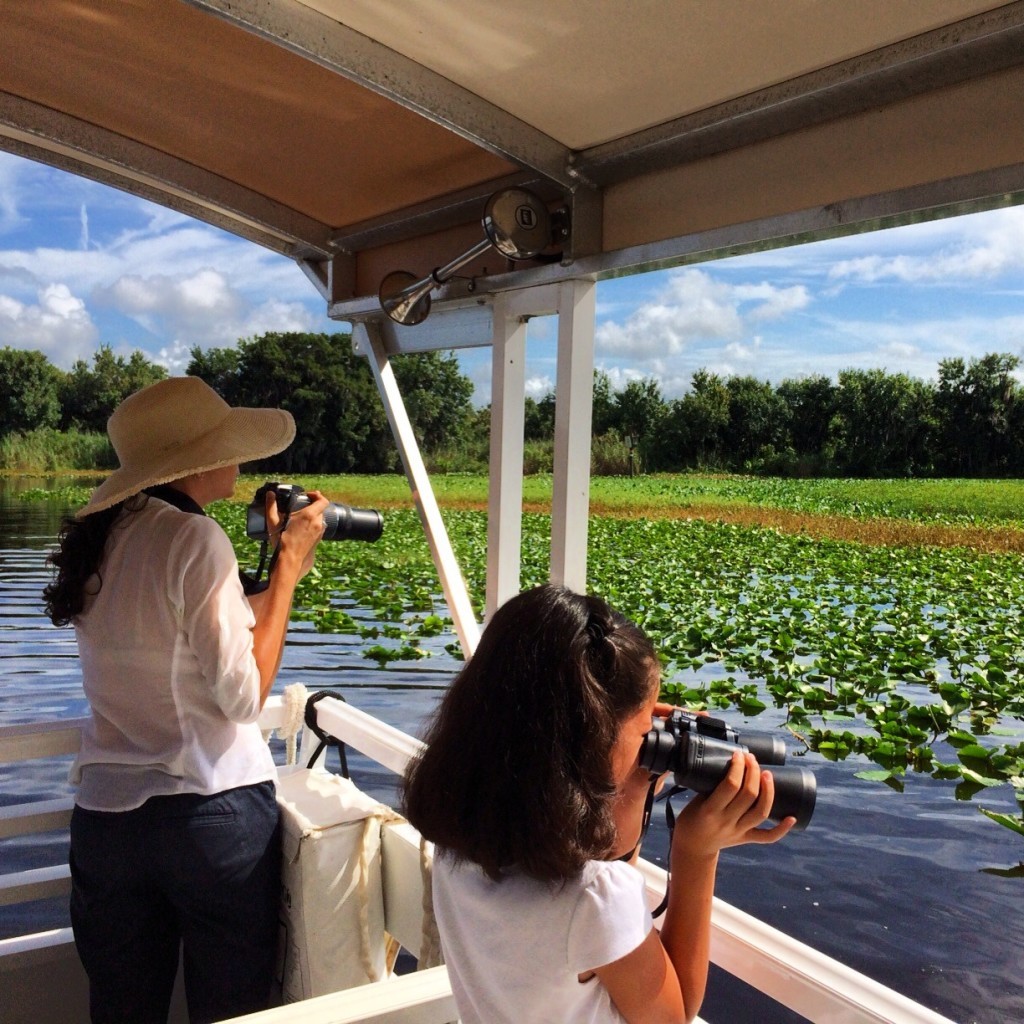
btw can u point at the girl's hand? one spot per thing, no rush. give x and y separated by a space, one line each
662 710
730 814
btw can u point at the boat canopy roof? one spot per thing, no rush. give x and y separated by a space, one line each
361 137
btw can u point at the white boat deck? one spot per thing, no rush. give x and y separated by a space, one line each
42 982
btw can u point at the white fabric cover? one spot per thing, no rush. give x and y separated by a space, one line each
332 905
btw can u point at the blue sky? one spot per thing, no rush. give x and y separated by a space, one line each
83 265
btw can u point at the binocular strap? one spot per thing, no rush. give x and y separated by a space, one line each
670 822
645 824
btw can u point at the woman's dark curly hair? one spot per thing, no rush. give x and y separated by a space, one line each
81 543
517 767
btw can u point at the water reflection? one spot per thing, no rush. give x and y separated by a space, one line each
905 887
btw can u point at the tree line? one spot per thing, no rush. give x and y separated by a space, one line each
341 423
865 423
969 422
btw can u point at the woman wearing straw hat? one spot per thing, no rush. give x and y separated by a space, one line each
174 833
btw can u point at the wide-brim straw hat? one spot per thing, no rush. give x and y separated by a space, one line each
180 426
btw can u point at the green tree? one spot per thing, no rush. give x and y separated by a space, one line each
89 396
640 410
341 423
539 418
976 408
758 422
809 401
219 368
604 417
29 391
437 396
694 429
882 425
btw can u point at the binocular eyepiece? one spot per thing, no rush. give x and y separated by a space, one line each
698 750
341 522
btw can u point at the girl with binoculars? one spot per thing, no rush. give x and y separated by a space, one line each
532 791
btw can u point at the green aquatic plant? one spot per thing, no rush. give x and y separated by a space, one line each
904 658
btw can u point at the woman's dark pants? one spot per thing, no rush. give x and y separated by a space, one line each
202 872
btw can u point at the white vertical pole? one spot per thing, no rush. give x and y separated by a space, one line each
574 396
505 495
367 337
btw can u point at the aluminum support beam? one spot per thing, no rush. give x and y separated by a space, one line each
368 342
505 494
955 53
574 394
60 140
951 197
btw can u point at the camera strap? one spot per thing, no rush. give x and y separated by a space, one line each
265 548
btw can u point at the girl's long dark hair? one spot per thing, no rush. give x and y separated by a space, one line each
517 767
81 543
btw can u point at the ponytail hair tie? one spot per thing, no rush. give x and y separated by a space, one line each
596 630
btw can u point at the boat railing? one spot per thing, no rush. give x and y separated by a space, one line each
795 975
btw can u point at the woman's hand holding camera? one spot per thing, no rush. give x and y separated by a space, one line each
297 539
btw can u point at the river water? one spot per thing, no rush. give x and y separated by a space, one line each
916 890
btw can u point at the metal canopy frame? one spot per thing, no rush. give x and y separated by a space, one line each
359 137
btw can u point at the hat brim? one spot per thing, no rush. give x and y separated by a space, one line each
244 435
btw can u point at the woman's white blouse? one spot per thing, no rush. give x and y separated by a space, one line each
166 649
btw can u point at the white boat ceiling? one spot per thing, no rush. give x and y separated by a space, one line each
363 136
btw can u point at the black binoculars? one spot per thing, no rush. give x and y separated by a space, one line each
698 750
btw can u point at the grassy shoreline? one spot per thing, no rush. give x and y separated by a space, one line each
980 515
983 515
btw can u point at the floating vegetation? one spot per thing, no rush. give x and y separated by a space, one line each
906 657
69 496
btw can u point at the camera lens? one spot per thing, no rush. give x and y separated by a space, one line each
342 522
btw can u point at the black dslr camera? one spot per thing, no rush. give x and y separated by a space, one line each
697 749
341 522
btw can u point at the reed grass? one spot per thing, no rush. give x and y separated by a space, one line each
55 451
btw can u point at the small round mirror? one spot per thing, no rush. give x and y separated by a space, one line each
517 223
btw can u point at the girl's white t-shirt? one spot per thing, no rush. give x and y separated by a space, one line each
515 948
166 650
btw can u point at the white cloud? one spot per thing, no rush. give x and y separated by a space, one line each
11 169
539 386
739 352
182 282
694 305
83 219
171 305
203 309
620 376
58 325
985 247
274 315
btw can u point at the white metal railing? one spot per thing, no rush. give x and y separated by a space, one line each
790 972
